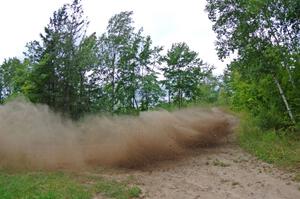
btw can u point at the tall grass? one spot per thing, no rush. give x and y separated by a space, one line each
279 147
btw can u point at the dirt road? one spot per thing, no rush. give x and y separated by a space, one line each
223 171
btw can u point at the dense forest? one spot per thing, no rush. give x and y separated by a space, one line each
121 72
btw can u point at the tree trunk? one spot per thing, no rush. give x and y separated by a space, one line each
285 65
135 105
113 84
284 100
290 76
0 94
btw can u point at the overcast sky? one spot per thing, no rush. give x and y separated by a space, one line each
166 21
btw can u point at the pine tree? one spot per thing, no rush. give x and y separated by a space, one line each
58 75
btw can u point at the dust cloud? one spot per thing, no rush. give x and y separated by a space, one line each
33 137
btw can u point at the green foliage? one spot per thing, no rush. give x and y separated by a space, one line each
167 106
117 73
13 77
257 98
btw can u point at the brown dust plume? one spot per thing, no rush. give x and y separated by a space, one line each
33 137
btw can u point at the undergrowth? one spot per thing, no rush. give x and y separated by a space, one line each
278 147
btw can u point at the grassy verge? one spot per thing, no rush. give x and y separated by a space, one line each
279 148
114 189
60 185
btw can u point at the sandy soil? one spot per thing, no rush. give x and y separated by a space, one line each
223 171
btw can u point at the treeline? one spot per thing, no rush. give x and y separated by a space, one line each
264 38
119 71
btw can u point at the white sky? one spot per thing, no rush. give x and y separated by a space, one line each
166 21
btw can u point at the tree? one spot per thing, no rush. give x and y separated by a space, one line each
149 87
13 77
118 72
112 48
59 66
184 74
125 73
